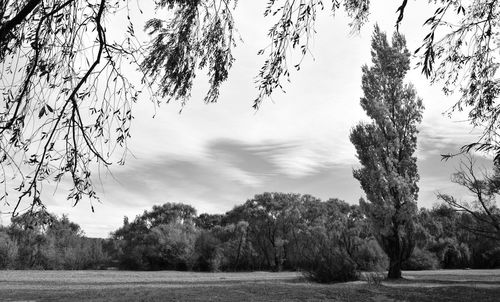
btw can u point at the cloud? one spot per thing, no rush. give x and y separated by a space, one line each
293 158
232 171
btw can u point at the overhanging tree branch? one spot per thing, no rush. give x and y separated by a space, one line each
7 27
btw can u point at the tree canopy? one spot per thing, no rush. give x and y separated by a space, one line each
330 241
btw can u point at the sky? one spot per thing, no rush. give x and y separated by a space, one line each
216 156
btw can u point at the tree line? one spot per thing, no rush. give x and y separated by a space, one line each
45 241
328 240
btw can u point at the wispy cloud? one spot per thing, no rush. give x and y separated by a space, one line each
233 172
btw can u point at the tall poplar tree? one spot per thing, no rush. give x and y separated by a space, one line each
385 148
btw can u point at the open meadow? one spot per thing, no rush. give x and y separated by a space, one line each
442 285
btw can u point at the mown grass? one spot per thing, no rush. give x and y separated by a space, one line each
221 287
258 292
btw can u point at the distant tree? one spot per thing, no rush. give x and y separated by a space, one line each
170 246
68 248
45 241
330 243
236 247
207 252
485 190
8 250
208 221
274 224
444 233
385 148
162 238
268 224
169 212
28 230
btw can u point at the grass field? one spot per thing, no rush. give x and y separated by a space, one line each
445 285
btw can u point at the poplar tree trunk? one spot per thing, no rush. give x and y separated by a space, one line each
394 268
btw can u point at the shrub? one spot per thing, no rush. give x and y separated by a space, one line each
374 278
421 260
331 266
370 257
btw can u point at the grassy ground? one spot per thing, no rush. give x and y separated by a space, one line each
259 286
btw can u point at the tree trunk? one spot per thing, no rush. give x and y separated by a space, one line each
394 268
239 252
397 249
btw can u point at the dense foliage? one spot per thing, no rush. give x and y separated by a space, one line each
329 241
385 148
444 240
163 238
45 241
